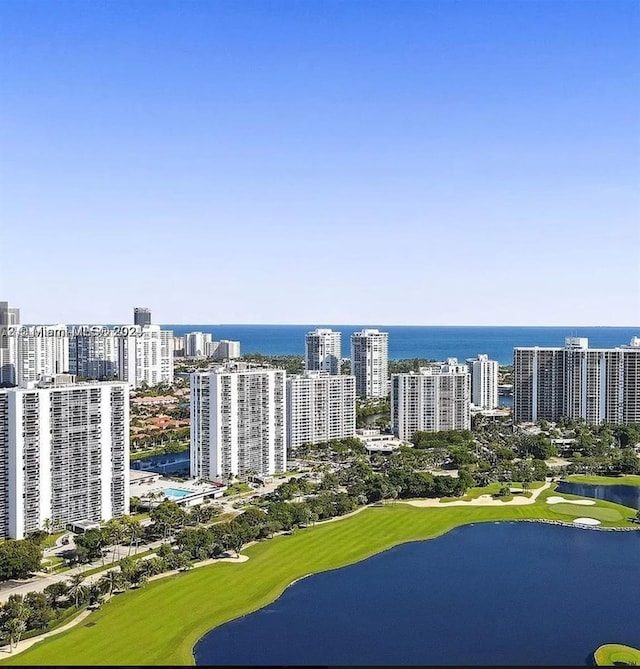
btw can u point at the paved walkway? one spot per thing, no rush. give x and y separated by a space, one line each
40 581
39 584
27 643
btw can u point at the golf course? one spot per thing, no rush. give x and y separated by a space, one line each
160 623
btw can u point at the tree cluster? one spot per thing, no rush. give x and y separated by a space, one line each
19 558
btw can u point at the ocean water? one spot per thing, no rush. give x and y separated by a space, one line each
433 342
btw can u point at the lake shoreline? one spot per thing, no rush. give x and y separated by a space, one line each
367 532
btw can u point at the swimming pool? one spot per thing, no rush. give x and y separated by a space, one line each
177 493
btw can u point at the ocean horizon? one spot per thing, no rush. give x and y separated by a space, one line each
436 342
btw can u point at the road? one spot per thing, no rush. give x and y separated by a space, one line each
40 581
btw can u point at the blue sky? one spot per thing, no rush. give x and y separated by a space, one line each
399 162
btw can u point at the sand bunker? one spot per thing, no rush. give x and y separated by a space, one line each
557 500
586 521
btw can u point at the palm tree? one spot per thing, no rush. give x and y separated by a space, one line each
116 534
141 580
14 628
95 594
55 592
133 528
75 588
15 623
110 581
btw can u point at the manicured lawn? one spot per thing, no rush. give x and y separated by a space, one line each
579 511
629 479
237 488
491 489
160 623
50 540
53 564
110 565
611 654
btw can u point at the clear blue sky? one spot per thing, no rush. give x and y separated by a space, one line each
389 161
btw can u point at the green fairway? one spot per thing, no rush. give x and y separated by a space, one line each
160 623
629 479
491 489
579 511
611 654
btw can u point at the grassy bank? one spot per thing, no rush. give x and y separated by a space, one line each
628 479
161 623
614 653
492 489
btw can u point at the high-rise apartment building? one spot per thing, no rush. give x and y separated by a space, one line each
9 324
225 349
141 316
197 344
370 362
577 382
64 454
437 398
320 407
9 315
41 350
238 421
145 355
179 344
322 351
484 382
93 356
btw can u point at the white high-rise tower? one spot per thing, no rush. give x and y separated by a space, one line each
64 454
484 382
238 421
323 351
438 398
370 362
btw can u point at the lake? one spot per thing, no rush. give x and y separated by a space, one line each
171 463
627 495
484 594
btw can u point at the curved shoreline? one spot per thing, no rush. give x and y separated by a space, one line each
369 534
388 548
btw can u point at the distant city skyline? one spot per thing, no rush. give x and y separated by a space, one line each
416 163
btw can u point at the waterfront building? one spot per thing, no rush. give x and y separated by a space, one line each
93 355
437 398
322 351
238 421
179 346
145 355
40 350
484 382
320 407
224 349
577 382
64 454
370 362
9 320
141 316
9 315
197 344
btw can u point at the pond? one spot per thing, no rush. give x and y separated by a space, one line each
628 495
484 594
170 463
